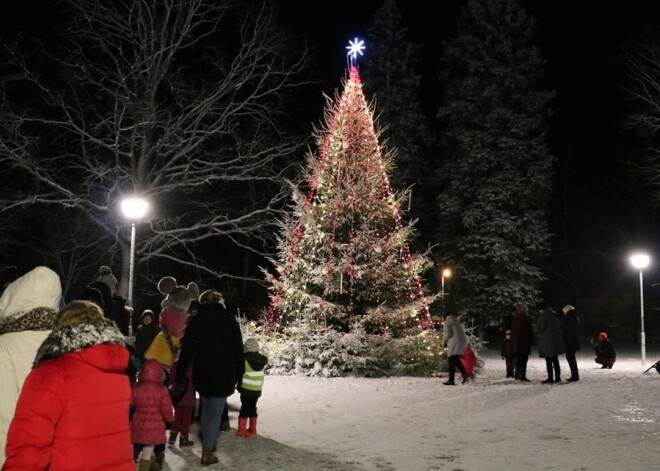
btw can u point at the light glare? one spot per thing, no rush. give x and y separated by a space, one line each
640 260
134 207
354 47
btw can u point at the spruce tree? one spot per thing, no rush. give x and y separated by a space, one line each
344 254
392 78
497 178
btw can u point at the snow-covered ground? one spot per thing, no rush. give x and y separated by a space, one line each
609 420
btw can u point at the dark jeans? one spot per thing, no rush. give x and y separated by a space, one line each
248 406
454 362
521 365
572 364
552 363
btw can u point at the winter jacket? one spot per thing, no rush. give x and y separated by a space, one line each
548 331
454 336
188 400
73 410
507 348
213 342
605 349
153 406
144 336
30 302
253 378
570 329
522 333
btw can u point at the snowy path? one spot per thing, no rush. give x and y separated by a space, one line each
609 420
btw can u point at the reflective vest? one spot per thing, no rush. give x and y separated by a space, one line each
252 380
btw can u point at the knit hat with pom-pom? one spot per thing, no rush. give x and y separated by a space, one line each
106 276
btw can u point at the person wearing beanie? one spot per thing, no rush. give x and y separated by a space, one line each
605 353
250 388
72 410
146 333
114 306
106 276
570 330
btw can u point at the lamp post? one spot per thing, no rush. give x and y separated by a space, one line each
641 261
446 273
133 208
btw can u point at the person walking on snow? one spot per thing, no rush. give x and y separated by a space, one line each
250 388
153 407
73 410
456 342
213 340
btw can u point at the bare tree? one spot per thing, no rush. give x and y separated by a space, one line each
641 59
176 100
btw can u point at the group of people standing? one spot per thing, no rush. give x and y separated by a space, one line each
554 335
81 372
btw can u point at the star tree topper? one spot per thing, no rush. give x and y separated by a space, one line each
355 47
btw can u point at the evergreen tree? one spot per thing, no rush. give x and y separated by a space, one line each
344 253
497 179
390 74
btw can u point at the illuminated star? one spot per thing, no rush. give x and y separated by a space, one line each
355 47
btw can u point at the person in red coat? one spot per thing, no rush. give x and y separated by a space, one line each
153 407
72 413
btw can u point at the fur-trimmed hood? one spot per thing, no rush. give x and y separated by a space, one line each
75 338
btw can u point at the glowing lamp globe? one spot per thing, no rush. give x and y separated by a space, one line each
640 260
134 207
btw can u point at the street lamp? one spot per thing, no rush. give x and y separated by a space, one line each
133 208
641 261
446 273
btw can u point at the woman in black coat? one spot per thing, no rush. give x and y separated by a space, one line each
214 344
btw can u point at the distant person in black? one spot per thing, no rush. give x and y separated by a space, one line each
114 306
507 354
145 334
570 329
605 354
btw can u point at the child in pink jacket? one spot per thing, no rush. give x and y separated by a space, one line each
153 407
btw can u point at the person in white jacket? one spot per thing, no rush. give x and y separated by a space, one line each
456 342
27 307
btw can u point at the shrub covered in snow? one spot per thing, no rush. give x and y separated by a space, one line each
304 349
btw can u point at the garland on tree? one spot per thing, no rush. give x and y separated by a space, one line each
344 255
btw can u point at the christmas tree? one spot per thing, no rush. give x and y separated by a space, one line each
344 254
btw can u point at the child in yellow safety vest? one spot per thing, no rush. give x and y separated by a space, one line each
250 388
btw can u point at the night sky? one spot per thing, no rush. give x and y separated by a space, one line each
607 207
